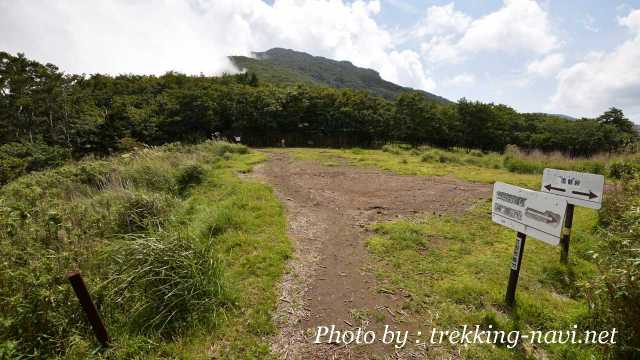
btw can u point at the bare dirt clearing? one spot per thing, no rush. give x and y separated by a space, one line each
328 283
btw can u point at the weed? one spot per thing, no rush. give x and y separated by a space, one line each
161 282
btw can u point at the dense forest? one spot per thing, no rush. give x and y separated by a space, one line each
47 116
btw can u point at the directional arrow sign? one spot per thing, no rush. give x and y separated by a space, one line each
549 188
580 189
534 213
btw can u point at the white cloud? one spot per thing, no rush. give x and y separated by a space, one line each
461 80
547 66
195 36
441 49
601 80
518 26
442 20
632 20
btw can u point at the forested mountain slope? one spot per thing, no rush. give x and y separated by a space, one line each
284 66
47 117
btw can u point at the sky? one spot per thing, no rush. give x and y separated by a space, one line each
573 57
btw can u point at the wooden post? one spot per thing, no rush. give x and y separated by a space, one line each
516 262
566 235
89 308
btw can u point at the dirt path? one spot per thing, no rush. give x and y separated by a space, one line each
328 283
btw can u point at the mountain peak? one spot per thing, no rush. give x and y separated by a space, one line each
287 66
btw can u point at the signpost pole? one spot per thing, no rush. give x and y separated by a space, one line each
89 308
516 261
566 236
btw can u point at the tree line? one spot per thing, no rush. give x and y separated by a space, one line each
43 108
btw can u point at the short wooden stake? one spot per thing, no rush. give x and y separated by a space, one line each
89 308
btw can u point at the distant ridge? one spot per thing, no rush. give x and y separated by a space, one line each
285 66
564 116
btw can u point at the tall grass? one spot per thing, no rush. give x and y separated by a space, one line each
534 162
161 282
516 160
124 223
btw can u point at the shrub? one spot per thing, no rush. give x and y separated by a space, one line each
160 282
187 176
624 169
614 295
516 165
392 149
444 158
93 173
219 148
476 153
128 144
429 156
591 166
17 159
39 310
118 221
151 176
140 211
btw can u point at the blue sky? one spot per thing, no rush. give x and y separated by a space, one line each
559 56
582 27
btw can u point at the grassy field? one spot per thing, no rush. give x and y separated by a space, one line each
455 270
181 256
476 166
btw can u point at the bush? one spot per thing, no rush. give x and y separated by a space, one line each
624 169
95 173
118 222
127 144
151 176
429 156
614 295
516 165
141 212
39 310
189 175
219 148
392 149
448 158
17 159
591 166
161 281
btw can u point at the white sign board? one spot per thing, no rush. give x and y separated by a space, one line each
580 189
530 212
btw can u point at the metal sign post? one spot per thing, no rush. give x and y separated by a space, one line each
564 242
530 213
516 261
582 189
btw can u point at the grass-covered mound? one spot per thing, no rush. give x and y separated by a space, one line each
178 253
